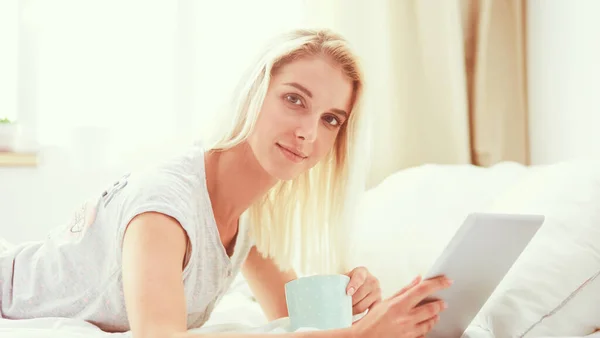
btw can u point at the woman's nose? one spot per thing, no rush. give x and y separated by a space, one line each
307 129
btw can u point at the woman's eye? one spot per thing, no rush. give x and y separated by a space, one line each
332 120
294 99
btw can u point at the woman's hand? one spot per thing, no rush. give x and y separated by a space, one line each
401 316
364 289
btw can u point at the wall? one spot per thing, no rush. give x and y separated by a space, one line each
564 79
146 92
564 89
34 200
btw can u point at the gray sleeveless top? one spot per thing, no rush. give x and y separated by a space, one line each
76 271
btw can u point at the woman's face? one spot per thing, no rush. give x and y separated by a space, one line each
307 103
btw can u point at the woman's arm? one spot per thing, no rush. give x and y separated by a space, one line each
267 283
153 254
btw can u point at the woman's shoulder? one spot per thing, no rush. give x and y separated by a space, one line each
176 186
181 175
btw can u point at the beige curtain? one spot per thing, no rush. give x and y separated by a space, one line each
445 79
495 43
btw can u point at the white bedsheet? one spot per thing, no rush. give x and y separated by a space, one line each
237 312
68 328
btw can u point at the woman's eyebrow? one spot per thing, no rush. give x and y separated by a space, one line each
299 87
340 112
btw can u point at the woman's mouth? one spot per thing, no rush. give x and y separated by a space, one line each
291 154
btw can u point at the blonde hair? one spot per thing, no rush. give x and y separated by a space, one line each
302 223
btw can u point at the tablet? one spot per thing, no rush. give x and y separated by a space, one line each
477 258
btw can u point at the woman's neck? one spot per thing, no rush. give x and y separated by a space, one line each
235 181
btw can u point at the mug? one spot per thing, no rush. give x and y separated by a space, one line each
319 302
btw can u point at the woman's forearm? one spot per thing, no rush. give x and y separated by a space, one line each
340 333
267 283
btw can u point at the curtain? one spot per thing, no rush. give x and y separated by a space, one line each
445 79
495 46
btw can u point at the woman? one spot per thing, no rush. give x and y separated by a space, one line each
156 251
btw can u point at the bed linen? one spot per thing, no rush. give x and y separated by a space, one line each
421 201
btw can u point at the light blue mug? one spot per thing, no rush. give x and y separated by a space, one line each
319 302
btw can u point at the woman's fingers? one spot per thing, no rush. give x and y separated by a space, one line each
369 287
423 328
427 311
366 303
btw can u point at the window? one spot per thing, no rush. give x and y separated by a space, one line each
229 35
8 59
126 73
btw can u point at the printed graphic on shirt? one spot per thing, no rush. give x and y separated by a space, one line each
108 194
83 217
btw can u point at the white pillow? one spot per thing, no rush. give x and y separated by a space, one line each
406 221
554 287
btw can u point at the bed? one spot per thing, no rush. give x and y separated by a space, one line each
552 291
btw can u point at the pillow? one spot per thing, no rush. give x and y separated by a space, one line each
554 287
404 223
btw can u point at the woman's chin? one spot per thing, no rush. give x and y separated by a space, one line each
283 173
